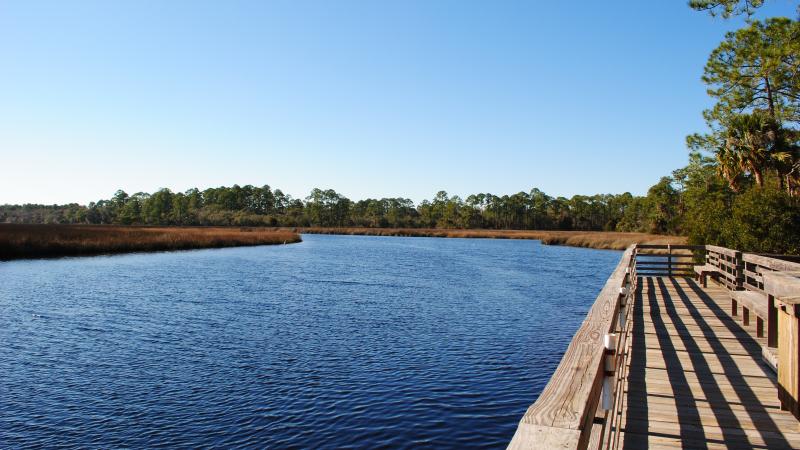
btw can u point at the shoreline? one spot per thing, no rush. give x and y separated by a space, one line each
29 241
604 240
19 241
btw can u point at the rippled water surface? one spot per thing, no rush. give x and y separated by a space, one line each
336 342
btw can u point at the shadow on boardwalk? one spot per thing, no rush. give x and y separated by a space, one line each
695 377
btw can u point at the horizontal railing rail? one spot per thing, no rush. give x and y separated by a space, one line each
728 264
666 260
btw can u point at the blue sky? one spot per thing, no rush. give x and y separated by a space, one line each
372 99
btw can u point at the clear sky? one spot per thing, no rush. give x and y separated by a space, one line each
372 99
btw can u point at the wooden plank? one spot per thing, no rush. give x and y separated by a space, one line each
664 263
771 263
532 437
681 398
657 434
755 276
703 393
753 301
721 416
730 285
707 364
655 375
720 332
650 319
727 264
672 442
674 247
789 358
782 284
721 250
652 341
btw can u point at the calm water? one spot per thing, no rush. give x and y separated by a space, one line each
337 342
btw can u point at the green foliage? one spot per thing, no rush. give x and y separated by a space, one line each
694 201
726 8
757 219
327 208
765 220
703 199
745 195
752 75
755 68
252 206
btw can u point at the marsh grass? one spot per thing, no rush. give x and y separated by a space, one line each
44 241
591 239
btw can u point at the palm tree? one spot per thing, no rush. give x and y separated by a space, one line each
758 144
729 166
751 138
786 159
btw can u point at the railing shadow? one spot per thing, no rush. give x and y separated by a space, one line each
756 410
688 412
637 383
677 320
725 417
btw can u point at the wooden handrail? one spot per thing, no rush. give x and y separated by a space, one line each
564 413
730 265
771 263
674 247
721 250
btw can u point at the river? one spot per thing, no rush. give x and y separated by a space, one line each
335 342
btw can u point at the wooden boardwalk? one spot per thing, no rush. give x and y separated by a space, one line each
664 361
695 376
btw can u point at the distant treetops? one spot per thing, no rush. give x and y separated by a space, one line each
263 206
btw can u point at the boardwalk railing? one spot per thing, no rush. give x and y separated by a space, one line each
729 265
666 260
580 405
576 405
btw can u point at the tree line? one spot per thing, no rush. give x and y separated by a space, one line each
693 201
263 206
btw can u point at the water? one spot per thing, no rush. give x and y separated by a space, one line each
337 342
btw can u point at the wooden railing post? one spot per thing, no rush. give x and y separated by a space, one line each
622 317
609 370
739 271
669 260
788 355
772 322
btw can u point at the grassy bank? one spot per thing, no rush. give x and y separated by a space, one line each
590 239
44 241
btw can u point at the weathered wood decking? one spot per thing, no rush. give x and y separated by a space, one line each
665 361
695 375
